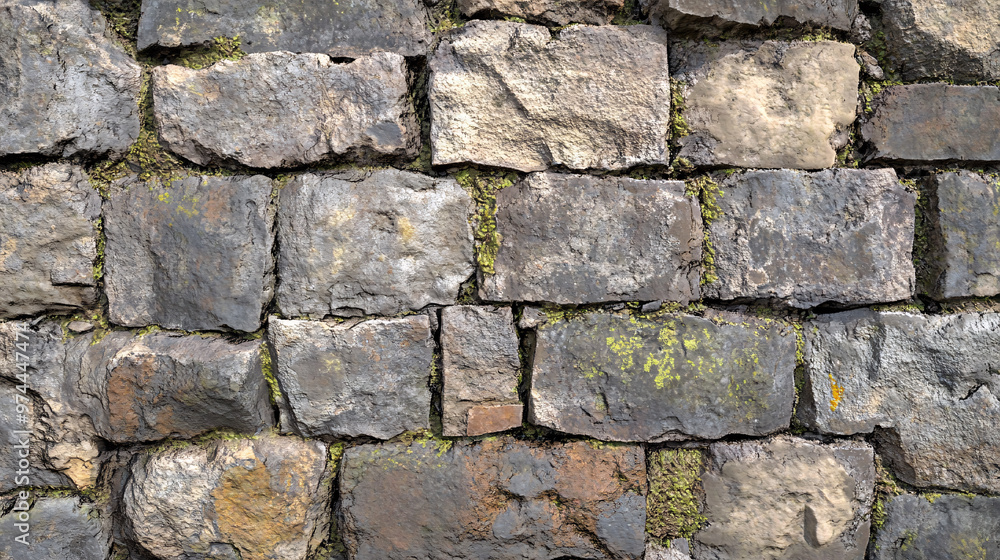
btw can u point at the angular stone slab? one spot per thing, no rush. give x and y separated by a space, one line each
786 498
479 353
58 528
694 15
48 240
510 95
381 242
65 88
771 104
194 254
547 12
950 527
935 123
498 498
573 239
943 39
280 109
838 235
674 377
353 379
339 29
255 499
926 385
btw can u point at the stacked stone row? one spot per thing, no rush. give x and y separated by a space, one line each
353 278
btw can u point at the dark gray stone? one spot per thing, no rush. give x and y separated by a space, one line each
380 242
194 254
65 88
947 527
696 15
573 239
926 385
367 378
59 528
935 123
18 415
497 498
280 109
672 377
548 12
509 94
48 240
339 29
840 235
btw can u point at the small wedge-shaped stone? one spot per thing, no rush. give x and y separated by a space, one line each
549 12
353 379
252 499
693 15
193 254
339 29
839 235
56 528
48 240
771 104
511 95
673 377
382 242
935 123
281 109
945 527
497 498
573 239
926 385
65 87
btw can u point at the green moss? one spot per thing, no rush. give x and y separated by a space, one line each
203 56
673 503
483 186
267 367
886 487
629 14
146 330
871 89
821 34
123 19
102 241
678 124
445 17
708 193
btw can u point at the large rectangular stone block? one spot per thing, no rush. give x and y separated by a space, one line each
940 526
693 15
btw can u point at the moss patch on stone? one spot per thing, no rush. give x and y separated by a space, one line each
886 487
678 124
267 367
673 502
483 186
123 19
203 56
708 192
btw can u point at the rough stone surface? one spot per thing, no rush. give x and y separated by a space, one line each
693 15
954 39
787 498
57 67
377 243
510 95
838 235
59 528
548 12
498 498
366 378
951 528
479 352
249 499
280 109
194 254
573 239
19 415
674 377
339 29
926 385
42 267
678 550
935 123
771 104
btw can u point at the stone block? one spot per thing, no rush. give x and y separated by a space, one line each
948 527
547 12
697 15
58 528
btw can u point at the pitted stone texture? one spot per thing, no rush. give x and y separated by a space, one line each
951 528
19 416
498 498
678 550
926 385
573 239
771 104
59 528
673 377
281 109
249 499
382 242
194 254
928 123
65 88
786 498
48 242
694 15
339 29
353 379
548 12
837 235
510 95
479 352
965 245
952 39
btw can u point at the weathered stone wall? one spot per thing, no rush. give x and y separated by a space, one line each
498 279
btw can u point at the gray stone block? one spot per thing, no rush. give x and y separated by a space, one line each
58 528
948 527
696 15
548 12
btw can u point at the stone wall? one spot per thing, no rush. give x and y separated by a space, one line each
491 279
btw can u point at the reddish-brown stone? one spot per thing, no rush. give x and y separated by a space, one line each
490 419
